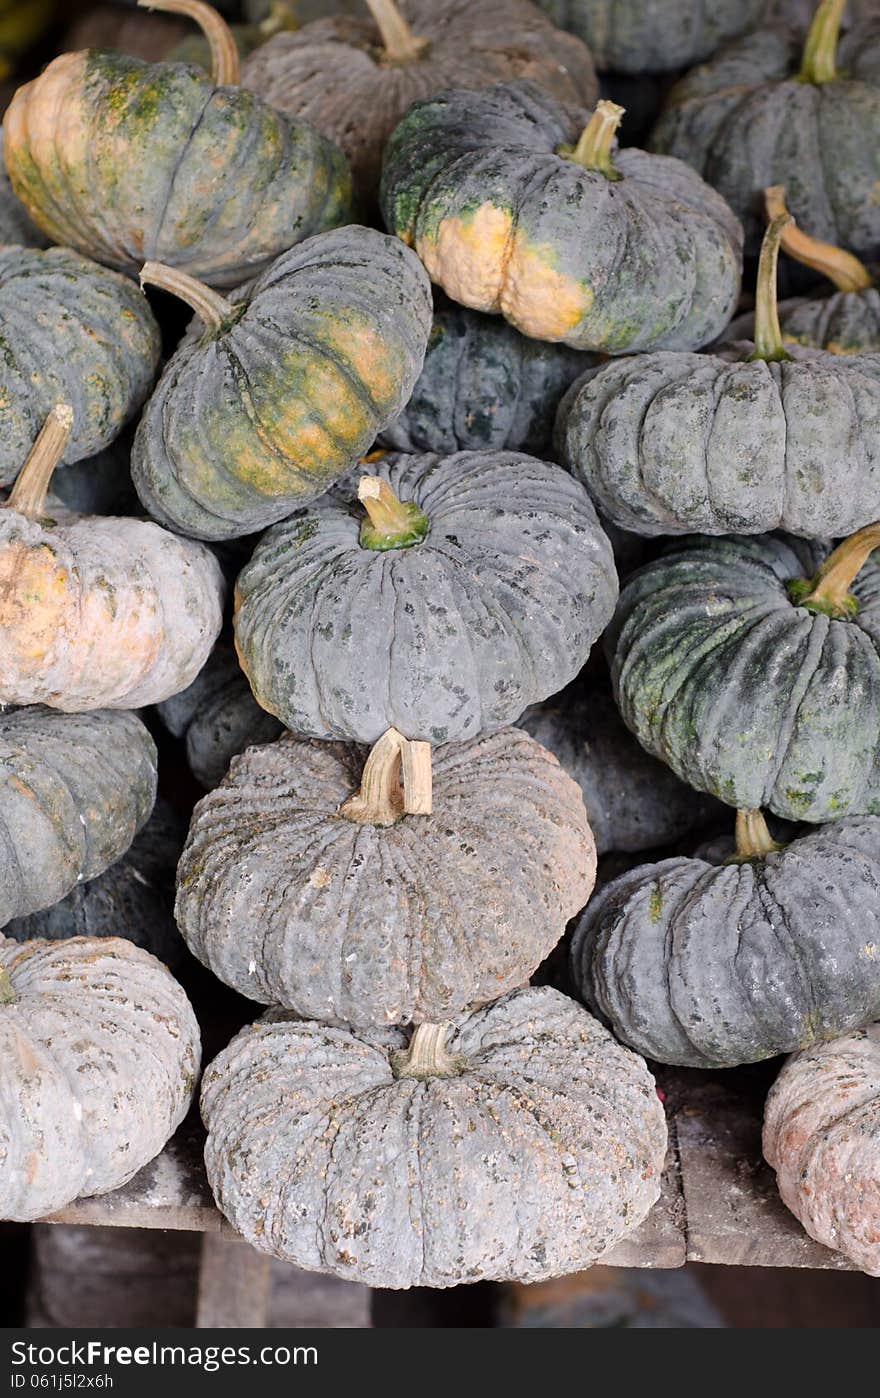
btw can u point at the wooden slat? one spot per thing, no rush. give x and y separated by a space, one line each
233 1285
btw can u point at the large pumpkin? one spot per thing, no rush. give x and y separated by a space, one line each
751 668
70 332
100 1052
714 966
305 884
282 388
752 438
441 600
511 211
97 613
353 78
131 161
519 1141
644 36
771 110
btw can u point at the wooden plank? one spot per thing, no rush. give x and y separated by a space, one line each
233 1285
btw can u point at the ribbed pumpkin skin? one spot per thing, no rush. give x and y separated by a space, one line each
543 1152
632 36
332 73
822 1137
15 226
483 387
100 1052
762 703
846 322
712 967
248 424
677 443
859 49
472 181
745 122
75 791
130 162
495 609
292 904
70 332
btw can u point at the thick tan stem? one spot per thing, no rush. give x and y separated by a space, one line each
7 994
398 40
753 839
845 271
225 63
426 1055
212 309
819 62
593 149
417 778
829 591
28 495
768 334
390 523
380 798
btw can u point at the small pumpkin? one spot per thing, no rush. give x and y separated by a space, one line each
771 110
72 332
749 666
632 36
130 161
483 387
305 883
353 78
519 1141
97 613
100 1052
711 966
511 211
284 386
440 597
751 438
822 1137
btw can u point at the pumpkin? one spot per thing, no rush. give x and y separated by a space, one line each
304 883
353 78
859 50
97 613
770 110
484 386
511 211
632 36
752 438
130 161
518 1141
70 331
100 1051
15 226
633 801
74 791
441 599
822 1137
281 15
22 24
132 899
127 30
711 966
749 666
285 386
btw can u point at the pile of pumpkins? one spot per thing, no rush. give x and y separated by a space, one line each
425 503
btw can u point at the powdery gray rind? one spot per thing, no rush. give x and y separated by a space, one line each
537 1158
74 791
632 36
292 904
495 609
743 694
711 967
100 1052
822 1137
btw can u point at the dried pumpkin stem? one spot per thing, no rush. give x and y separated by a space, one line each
225 62
390 523
845 271
593 150
7 994
398 40
381 800
828 591
28 495
819 62
426 1055
417 778
768 333
753 839
212 309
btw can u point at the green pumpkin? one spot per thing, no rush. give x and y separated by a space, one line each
749 666
512 212
131 161
652 36
774 110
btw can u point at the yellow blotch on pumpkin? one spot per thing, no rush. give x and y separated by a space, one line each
537 298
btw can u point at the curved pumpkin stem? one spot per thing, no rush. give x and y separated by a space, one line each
593 149
819 62
225 61
7 994
768 333
390 523
842 268
828 592
426 1055
380 799
213 310
753 839
28 496
398 40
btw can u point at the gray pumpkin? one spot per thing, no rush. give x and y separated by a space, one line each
280 390
100 1052
70 332
515 206
755 673
15 225
714 966
75 790
483 387
632 36
304 884
484 594
520 1141
633 801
